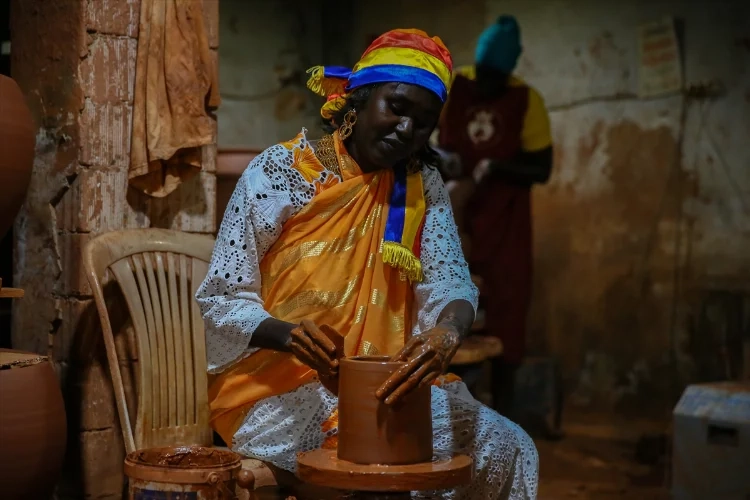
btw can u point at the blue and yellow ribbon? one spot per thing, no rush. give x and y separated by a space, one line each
403 227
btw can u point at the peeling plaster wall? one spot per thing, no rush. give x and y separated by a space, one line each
54 102
647 211
266 49
75 62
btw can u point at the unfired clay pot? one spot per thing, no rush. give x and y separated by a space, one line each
32 426
16 151
371 432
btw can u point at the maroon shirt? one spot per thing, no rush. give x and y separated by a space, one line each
499 215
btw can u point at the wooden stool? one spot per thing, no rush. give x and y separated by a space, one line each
323 468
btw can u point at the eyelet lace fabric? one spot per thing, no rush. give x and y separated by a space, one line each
268 194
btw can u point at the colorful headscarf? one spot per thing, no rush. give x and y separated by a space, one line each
403 56
499 46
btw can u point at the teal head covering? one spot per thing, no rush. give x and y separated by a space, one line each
499 46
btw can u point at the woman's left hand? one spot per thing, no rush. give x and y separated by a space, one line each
427 356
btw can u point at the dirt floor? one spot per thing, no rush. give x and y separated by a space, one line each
605 457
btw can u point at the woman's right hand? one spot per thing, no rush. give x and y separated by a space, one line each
314 347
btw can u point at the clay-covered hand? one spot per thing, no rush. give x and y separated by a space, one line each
314 347
427 356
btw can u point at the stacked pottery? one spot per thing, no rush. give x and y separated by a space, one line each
32 426
17 147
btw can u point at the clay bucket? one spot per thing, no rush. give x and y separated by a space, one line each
185 472
371 432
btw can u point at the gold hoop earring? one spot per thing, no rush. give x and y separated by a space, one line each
345 130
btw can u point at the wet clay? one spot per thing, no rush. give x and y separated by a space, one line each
183 456
371 432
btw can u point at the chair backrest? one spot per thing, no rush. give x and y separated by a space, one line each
158 272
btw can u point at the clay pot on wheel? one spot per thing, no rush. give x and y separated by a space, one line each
17 146
32 426
371 432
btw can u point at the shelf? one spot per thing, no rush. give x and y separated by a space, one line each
11 293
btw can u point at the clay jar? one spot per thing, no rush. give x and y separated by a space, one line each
32 426
371 432
17 146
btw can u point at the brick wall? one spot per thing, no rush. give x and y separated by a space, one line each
75 62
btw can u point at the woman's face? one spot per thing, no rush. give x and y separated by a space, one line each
395 123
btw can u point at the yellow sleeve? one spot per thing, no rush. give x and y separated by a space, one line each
536 133
468 71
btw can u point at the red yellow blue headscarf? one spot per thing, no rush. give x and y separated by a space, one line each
403 56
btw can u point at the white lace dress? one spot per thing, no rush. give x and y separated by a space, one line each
277 428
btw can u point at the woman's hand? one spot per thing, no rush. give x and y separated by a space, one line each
427 356
315 348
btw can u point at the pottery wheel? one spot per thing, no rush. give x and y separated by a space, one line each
323 468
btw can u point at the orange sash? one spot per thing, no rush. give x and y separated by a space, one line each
325 267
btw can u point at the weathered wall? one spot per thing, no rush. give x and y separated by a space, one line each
75 62
266 49
647 211
458 23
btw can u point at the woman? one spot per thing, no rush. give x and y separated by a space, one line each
354 232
